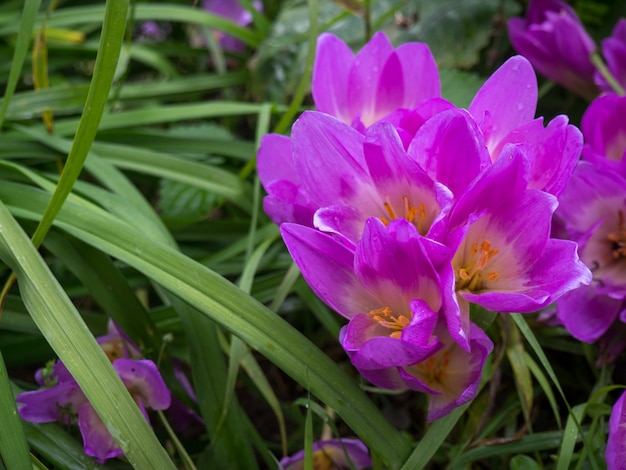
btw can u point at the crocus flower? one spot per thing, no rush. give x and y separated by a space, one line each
604 128
339 454
233 11
616 443
553 38
506 260
614 52
66 403
332 176
364 88
593 208
399 324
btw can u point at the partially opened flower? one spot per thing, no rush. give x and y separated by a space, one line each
616 443
379 80
614 52
337 454
553 38
66 403
451 376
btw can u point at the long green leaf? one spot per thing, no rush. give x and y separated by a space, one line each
113 29
68 335
29 13
13 447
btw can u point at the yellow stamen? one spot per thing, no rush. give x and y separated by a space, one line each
470 276
618 240
395 323
434 369
414 214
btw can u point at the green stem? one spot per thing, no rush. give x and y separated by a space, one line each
605 72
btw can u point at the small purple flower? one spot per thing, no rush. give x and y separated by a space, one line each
378 81
66 403
614 52
553 38
616 443
233 11
339 454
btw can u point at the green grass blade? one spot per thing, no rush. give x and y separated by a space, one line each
68 335
24 34
532 340
113 29
13 447
570 437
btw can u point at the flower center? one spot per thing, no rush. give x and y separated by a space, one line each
470 276
434 369
618 240
414 214
322 461
395 323
114 349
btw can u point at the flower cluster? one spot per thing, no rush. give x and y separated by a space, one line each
401 210
62 400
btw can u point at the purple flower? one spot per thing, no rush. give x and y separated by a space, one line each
332 454
401 319
378 81
604 128
614 52
66 403
333 177
553 38
233 11
506 260
616 443
593 208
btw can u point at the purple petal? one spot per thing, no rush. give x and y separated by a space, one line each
507 100
143 380
46 405
450 148
275 161
97 440
552 152
616 443
393 266
586 314
420 74
507 176
333 60
327 266
364 78
329 158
